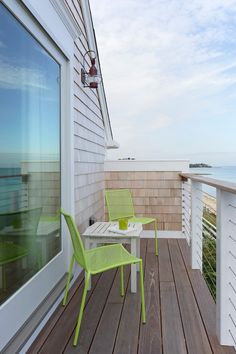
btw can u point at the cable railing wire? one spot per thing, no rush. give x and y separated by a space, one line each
186 220
232 303
233 321
232 222
232 337
233 255
187 210
187 230
233 272
209 254
232 287
209 223
205 243
232 238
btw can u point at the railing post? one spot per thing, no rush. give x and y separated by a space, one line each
186 210
196 225
226 268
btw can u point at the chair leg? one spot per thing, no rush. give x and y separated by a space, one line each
156 240
122 291
68 280
142 293
81 309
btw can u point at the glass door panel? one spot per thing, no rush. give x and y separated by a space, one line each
30 178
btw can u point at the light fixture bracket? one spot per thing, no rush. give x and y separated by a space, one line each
91 78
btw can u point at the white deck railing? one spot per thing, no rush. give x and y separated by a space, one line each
197 227
186 210
13 193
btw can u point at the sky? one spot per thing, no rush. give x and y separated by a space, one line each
29 96
169 69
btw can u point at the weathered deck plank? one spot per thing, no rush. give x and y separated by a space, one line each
173 335
205 302
172 329
128 331
92 314
150 340
166 273
195 334
38 343
107 328
180 311
61 332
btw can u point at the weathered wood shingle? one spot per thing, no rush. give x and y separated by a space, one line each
89 136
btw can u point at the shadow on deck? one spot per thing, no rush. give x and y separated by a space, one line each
180 311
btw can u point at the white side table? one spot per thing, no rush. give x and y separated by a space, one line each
98 233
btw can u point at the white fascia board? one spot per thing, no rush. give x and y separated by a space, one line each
100 90
146 165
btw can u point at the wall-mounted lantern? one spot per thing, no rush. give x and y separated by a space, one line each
91 78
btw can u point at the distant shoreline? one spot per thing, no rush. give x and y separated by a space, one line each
199 165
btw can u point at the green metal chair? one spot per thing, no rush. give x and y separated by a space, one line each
98 260
10 253
19 228
120 205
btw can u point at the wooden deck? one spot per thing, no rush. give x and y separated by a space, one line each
179 307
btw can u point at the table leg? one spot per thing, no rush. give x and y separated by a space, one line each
133 266
43 260
138 252
87 247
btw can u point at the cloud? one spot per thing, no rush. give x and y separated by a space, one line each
20 77
165 63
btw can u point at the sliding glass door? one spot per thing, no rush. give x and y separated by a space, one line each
30 173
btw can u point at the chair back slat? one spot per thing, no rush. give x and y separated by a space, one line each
76 240
119 204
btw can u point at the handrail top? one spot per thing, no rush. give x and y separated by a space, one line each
14 176
223 185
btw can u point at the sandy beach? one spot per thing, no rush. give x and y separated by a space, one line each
209 202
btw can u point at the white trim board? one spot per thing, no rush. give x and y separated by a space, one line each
146 165
162 234
58 26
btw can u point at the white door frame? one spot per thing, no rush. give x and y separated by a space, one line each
17 309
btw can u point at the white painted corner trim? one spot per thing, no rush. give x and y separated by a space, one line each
67 18
110 144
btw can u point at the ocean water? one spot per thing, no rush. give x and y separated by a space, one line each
225 173
222 173
11 187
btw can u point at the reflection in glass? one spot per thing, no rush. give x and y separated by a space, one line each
29 155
